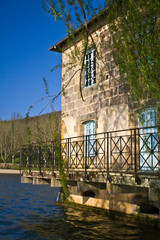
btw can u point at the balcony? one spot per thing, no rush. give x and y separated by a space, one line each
132 151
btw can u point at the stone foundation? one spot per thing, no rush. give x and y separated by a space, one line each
115 205
119 193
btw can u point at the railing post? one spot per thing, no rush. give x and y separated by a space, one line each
107 155
85 157
54 159
68 145
20 166
135 152
30 158
40 172
54 156
131 137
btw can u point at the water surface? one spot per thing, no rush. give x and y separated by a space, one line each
28 212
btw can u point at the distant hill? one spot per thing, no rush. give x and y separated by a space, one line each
15 133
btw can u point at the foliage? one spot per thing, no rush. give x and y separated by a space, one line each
63 180
15 133
134 41
135 31
74 14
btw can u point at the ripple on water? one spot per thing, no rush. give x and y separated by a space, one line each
28 212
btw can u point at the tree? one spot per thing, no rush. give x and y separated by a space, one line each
135 30
4 142
11 138
40 129
16 133
135 41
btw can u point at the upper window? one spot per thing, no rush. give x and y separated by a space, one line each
90 68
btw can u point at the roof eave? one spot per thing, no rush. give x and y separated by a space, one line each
58 46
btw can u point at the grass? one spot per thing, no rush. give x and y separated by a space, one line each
9 166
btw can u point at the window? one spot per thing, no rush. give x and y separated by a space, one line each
90 68
148 140
89 132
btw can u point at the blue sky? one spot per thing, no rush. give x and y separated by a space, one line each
26 34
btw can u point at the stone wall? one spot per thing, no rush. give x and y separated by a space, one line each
106 102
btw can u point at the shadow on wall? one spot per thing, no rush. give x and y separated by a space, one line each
125 203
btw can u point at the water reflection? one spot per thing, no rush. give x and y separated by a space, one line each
85 224
28 212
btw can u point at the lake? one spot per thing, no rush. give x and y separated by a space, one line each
28 212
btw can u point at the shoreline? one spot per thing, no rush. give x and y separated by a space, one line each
9 171
140 218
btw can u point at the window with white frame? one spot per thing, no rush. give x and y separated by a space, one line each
90 68
148 140
89 132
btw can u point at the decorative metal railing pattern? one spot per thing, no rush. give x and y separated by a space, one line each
125 151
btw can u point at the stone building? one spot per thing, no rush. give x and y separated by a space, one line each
103 136
105 99
106 107
111 159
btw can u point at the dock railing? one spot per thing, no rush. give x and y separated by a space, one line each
131 151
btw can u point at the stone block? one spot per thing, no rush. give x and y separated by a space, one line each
55 183
113 64
88 100
76 129
82 110
123 89
108 57
74 97
107 94
112 74
108 65
101 96
95 98
76 88
66 99
123 207
64 108
124 98
106 49
115 91
26 180
79 103
39 181
113 83
115 101
108 187
153 194
73 113
133 120
70 90
104 34
71 105
104 85
104 103
86 117
116 72
132 107
94 107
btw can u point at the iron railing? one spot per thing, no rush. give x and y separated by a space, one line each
38 157
125 151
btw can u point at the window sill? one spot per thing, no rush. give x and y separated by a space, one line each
93 85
